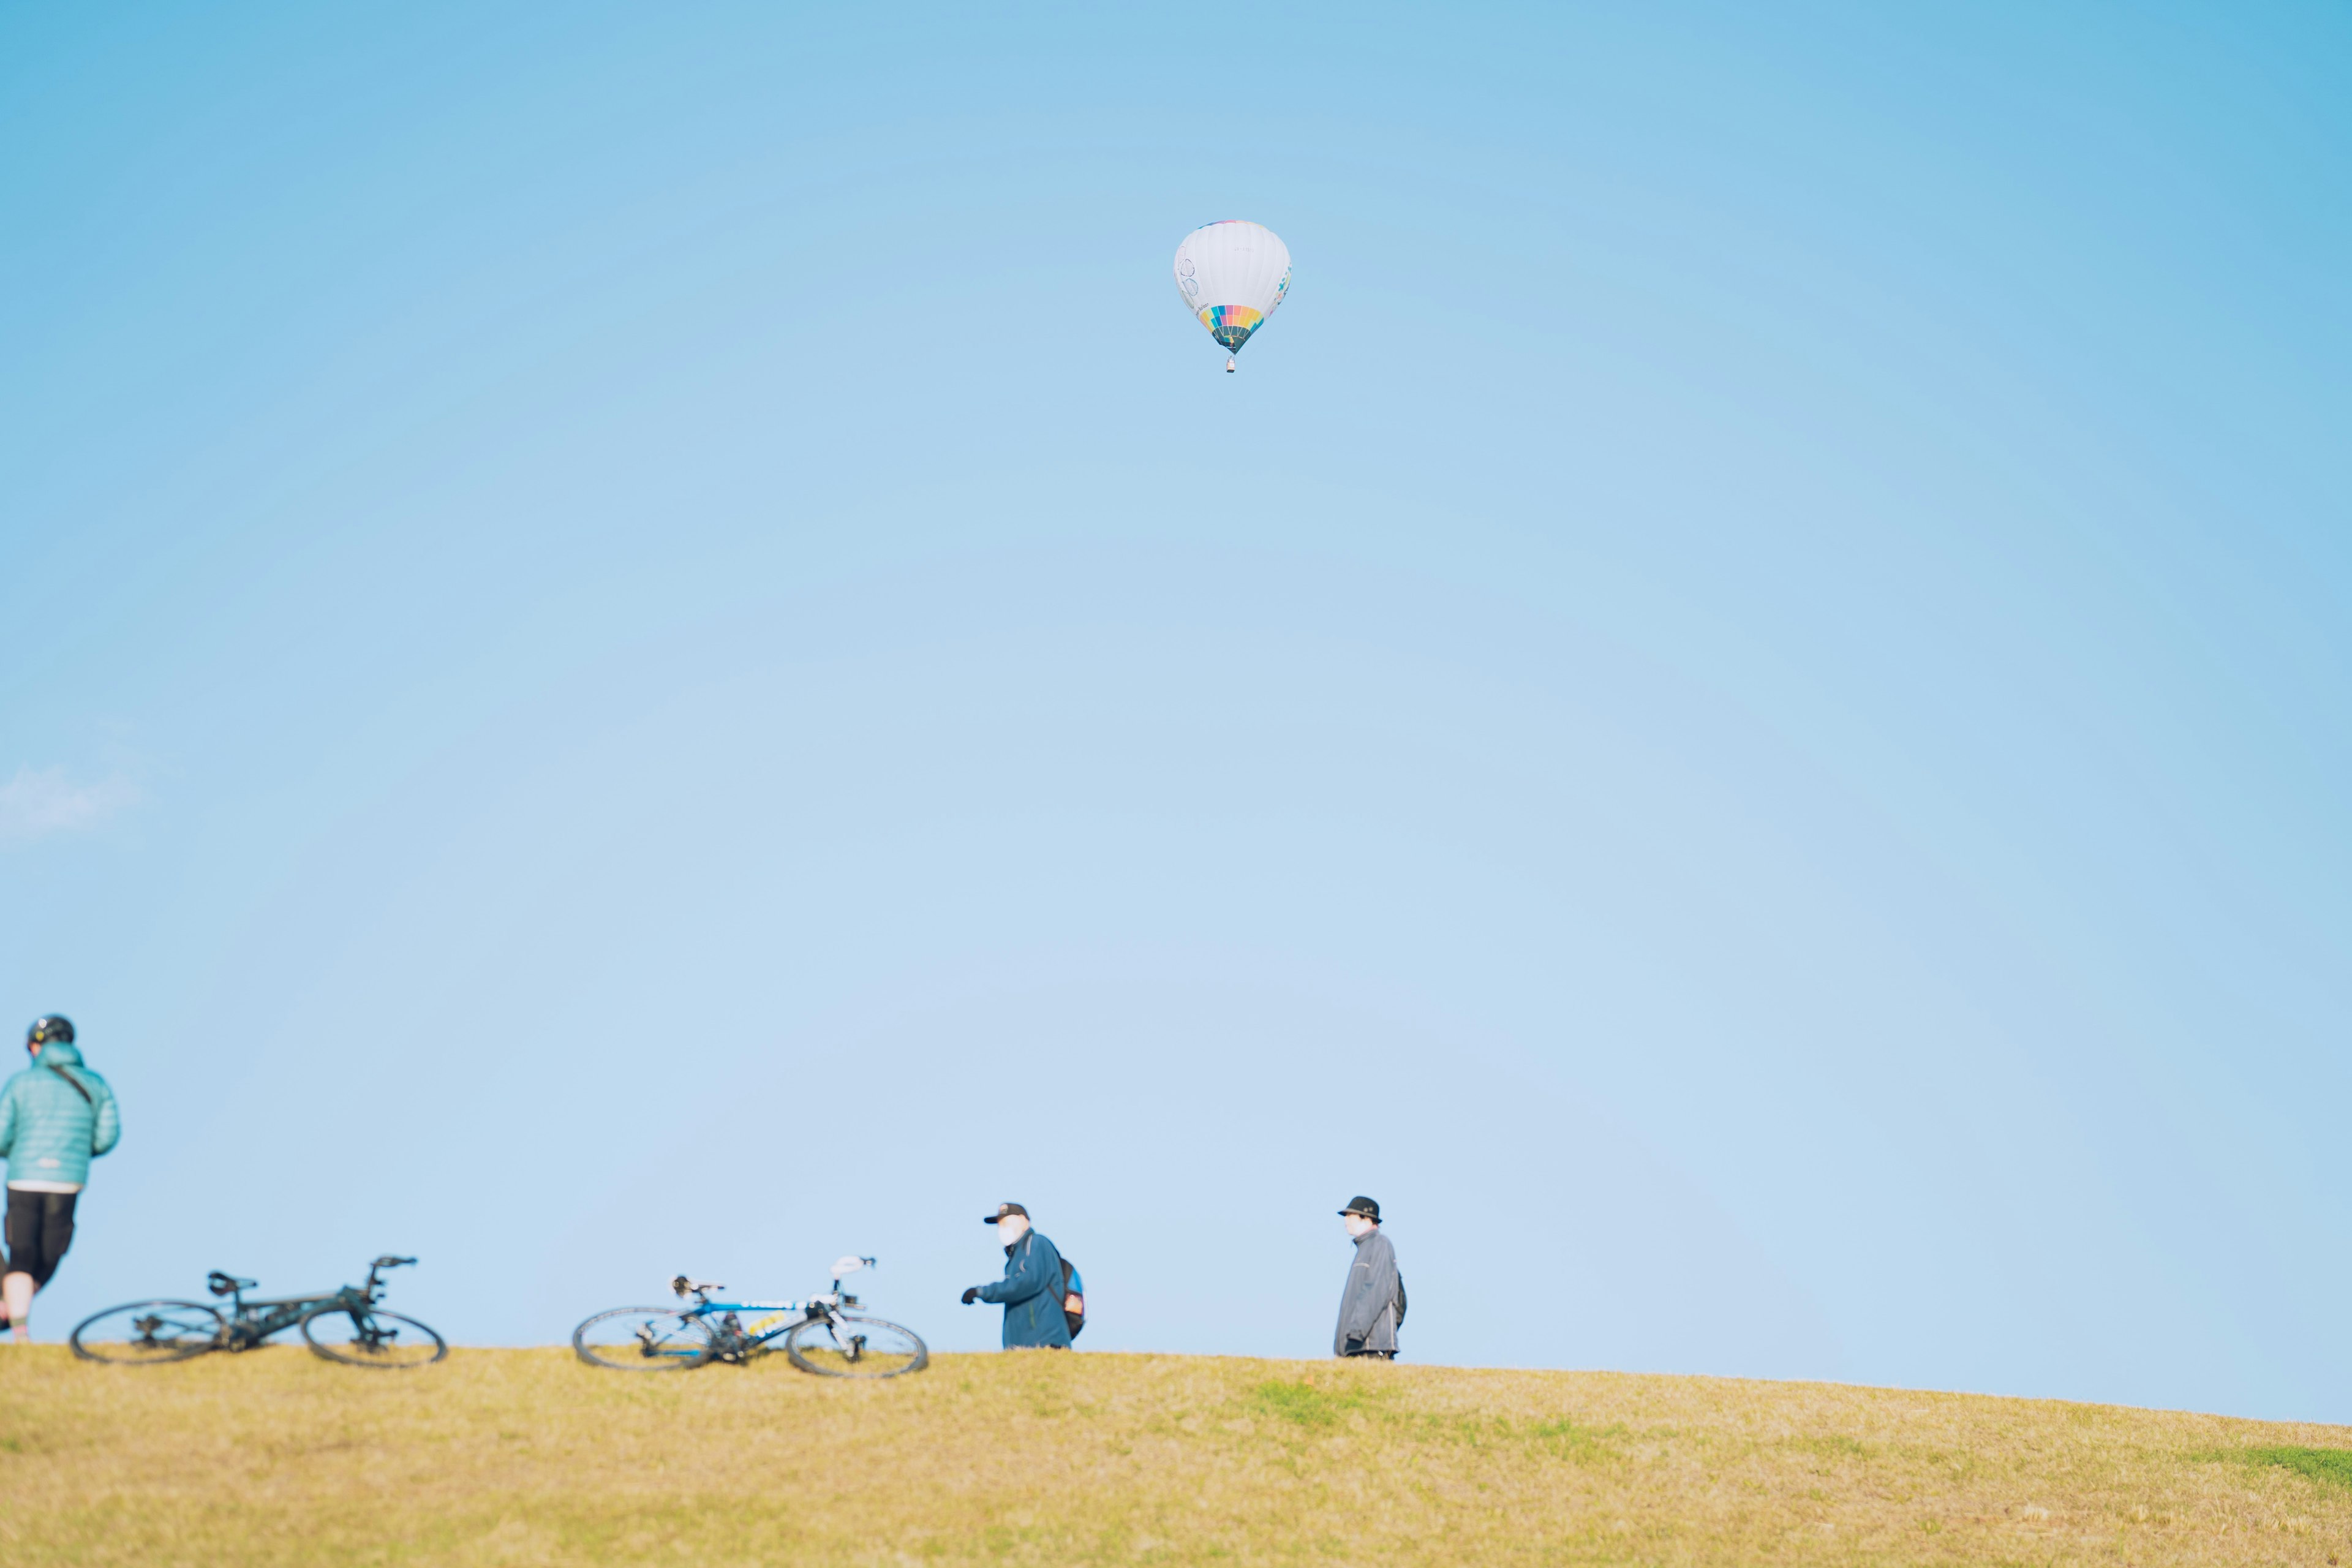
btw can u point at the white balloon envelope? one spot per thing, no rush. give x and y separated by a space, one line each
1233 275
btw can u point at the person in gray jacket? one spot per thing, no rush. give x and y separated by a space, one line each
1373 1303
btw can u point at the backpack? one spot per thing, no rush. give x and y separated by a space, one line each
1074 1297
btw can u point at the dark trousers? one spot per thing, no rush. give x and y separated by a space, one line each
40 1229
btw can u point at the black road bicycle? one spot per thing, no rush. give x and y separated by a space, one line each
822 1334
343 1325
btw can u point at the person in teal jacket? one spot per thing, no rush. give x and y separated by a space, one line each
1031 1291
55 1116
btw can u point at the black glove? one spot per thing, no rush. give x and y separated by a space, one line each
971 1294
1354 1347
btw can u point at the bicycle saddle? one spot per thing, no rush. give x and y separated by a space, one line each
389 1261
226 1284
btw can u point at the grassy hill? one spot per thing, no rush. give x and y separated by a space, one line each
524 1456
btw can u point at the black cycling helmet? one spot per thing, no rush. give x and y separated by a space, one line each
56 1026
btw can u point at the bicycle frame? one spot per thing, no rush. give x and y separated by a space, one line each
734 1340
250 1322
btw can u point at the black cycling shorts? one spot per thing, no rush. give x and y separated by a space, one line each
40 1229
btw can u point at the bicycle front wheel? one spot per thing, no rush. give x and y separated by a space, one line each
845 1346
366 1336
643 1339
146 1334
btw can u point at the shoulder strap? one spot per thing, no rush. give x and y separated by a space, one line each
69 1078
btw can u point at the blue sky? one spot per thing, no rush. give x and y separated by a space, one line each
649 642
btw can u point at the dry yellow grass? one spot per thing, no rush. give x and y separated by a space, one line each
524 1456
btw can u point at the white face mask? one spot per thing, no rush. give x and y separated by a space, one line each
1357 1225
1011 1230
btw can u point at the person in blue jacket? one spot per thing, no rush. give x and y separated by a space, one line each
1031 1291
55 1116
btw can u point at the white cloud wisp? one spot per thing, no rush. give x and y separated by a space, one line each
40 802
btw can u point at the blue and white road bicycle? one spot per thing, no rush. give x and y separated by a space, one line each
824 1334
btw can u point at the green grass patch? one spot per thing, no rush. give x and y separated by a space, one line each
1307 1403
2329 1467
1568 1440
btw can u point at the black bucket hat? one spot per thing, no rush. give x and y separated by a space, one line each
1365 1207
1002 1210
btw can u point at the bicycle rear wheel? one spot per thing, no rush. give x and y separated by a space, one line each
147 1333
643 1339
367 1337
847 1345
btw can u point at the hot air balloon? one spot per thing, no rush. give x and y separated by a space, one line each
1233 275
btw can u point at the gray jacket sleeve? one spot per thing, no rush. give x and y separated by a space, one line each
1371 1289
